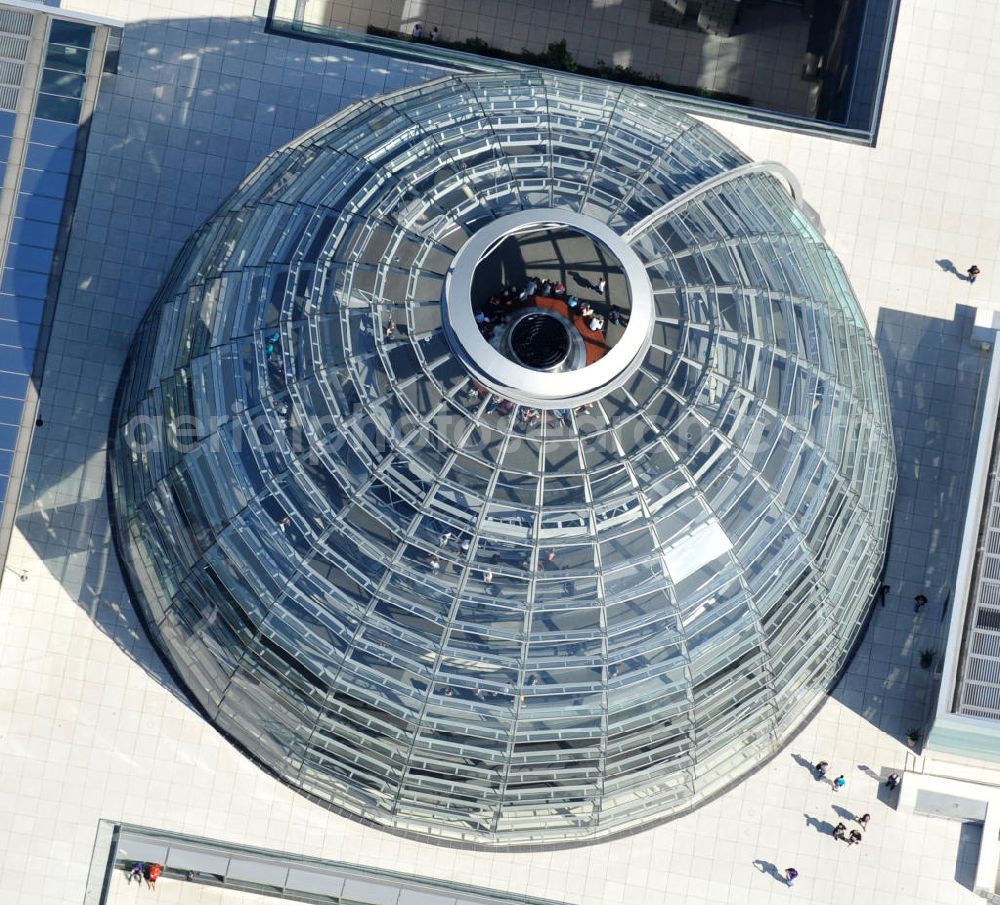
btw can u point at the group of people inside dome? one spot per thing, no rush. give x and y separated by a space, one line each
440 562
493 315
527 417
510 298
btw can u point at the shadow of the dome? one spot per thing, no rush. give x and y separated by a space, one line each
195 105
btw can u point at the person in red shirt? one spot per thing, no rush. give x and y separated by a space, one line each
154 874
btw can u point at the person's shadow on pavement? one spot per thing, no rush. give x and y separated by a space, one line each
843 813
949 267
868 771
766 867
806 765
821 826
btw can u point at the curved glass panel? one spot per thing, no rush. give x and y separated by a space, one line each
454 614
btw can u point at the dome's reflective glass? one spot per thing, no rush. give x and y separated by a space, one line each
455 612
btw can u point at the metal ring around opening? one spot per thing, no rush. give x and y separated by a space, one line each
525 385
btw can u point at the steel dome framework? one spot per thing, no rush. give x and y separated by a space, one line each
410 605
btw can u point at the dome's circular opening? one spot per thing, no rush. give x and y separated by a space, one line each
540 341
587 294
560 270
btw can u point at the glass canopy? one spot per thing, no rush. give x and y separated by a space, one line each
475 618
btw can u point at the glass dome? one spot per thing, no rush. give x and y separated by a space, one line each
434 566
